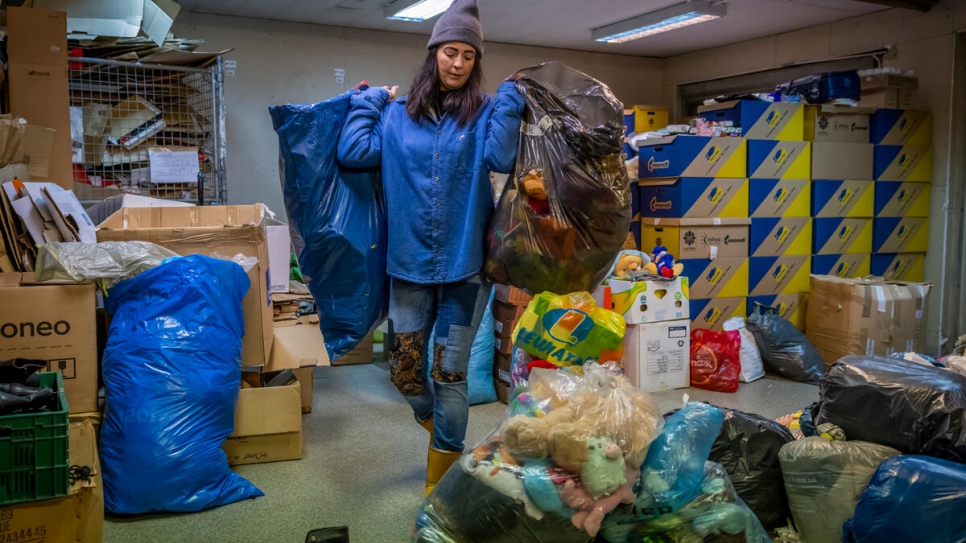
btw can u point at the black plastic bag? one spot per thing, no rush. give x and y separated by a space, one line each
747 446
908 406
338 221
571 146
784 348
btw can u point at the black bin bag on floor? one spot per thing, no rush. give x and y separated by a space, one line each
172 372
747 447
784 348
572 138
338 221
912 499
915 408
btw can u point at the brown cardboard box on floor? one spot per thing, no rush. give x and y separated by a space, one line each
502 391
298 344
865 316
268 426
304 375
56 323
223 230
505 317
77 517
362 354
510 295
37 81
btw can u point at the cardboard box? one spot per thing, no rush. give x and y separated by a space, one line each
758 119
779 198
770 159
718 278
712 313
843 198
781 236
225 230
837 124
858 316
37 81
888 98
53 322
790 306
902 163
279 255
297 344
501 367
77 517
649 118
268 426
835 236
888 81
645 301
900 267
901 127
657 356
307 386
786 274
846 266
692 156
502 392
697 238
842 161
694 197
901 199
505 317
364 353
510 295
900 235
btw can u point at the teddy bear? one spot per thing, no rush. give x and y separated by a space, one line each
603 471
533 186
556 235
590 511
627 263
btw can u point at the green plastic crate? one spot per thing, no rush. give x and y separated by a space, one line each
34 464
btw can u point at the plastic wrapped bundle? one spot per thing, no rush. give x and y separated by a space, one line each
747 447
823 481
567 454
915 408
338 221
109 262
564 214
913 499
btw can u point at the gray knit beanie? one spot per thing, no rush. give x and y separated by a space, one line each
460 22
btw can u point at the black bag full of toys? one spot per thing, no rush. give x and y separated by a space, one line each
566 210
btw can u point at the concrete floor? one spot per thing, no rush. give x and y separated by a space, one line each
364 464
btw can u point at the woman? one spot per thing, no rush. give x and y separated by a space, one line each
436 147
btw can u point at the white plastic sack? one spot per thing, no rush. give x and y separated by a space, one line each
752 367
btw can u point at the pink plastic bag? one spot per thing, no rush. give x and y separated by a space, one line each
715 360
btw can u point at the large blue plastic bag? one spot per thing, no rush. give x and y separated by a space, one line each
172 370
911 499
338 222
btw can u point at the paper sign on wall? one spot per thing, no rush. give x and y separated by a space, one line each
174 166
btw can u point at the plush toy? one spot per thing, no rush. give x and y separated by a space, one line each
555 234
501 480
603 471
662 263
628 262
533 186
591 512
526 437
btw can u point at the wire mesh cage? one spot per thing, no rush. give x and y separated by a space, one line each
147 129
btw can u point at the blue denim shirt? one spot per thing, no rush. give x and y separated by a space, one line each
436 178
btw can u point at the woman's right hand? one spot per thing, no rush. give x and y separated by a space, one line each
392 92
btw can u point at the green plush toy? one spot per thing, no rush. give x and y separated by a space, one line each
603 471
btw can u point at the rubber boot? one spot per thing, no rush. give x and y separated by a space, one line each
437 464
428 426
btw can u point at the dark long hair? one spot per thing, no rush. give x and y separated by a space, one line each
463 102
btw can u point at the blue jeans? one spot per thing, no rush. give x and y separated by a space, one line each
453 312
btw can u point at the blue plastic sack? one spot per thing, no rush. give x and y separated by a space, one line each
172 370
479 374
338 222
911 499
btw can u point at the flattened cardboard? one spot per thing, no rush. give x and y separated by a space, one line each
657 355
56 323
279 255
902 199
297 344
694 197
842 161
718 278
835 236
772 275
782 236
712 313
900 235
779 198
225 230
846 266
99 17
900 267
697 238
770 159
843 198
268 425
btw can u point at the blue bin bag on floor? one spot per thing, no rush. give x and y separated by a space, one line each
479 374
912 499
338 221
172 371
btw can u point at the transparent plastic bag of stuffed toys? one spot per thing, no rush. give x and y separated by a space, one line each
564 213
566 454
682 497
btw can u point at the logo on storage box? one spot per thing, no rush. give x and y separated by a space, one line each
712 316
657 205
898 268
904 196
903 232
728 240
906 161
780 272
843 269
713 154
10 330
781 195
782 309
714 275
845 233
655 165
715 195
782 234
780 156
773 118
689 238
845 196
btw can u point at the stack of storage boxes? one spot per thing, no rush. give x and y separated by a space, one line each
903 170
639 120
509 303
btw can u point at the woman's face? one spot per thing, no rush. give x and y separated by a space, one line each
456 61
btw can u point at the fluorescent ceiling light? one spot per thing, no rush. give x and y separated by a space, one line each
403 10
662 20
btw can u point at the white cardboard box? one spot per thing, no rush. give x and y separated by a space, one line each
646 301
657 356
279 251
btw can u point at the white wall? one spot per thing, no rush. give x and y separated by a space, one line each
922 42
282 63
